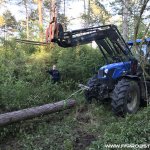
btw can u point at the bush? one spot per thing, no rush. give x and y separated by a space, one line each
23 78
78 63
134 129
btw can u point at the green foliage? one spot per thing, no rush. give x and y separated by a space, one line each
78 63
96 14
25 83
23 78
134 129
10 21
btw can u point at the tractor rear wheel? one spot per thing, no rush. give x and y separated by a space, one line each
125 97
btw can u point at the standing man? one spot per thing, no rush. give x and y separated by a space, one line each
55 74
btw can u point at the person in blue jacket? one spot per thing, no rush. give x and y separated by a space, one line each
55 74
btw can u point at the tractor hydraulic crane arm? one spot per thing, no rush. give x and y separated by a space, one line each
107 37
79 37
70 40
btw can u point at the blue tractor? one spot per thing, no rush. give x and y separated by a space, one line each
122 78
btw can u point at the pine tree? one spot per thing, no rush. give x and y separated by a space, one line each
96 14
40 12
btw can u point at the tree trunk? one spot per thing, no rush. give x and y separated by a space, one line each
125 20
143 8
27 19
64 7
40 2
84 7
89 12
53 9
29 113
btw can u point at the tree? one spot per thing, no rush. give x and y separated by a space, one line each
130 12
10 23
40 12
27 18
27 4
2 24
139 18
40 17
2 21
60 11
33 112
96 14
2 1
125 20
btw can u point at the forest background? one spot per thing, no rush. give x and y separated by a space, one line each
25 83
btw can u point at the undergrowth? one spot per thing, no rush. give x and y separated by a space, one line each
24 83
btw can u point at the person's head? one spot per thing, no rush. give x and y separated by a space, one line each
54 67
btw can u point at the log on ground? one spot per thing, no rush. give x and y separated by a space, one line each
33 112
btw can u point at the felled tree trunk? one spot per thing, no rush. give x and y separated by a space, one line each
33 112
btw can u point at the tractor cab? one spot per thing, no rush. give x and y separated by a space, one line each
143 49
142 52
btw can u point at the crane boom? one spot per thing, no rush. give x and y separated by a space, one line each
107 37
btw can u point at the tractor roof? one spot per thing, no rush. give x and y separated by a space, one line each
138 41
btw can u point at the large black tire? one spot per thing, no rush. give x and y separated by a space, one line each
89 95
125 97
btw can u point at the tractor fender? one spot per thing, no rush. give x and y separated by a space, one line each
133 77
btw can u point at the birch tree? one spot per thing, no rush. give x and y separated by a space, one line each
125 20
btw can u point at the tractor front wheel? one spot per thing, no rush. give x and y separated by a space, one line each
125 97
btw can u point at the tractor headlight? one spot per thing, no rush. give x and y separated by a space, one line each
106 71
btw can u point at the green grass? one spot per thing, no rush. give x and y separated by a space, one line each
84 127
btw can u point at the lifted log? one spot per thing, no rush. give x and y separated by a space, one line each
29 113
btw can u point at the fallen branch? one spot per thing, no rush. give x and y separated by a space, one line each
33 112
